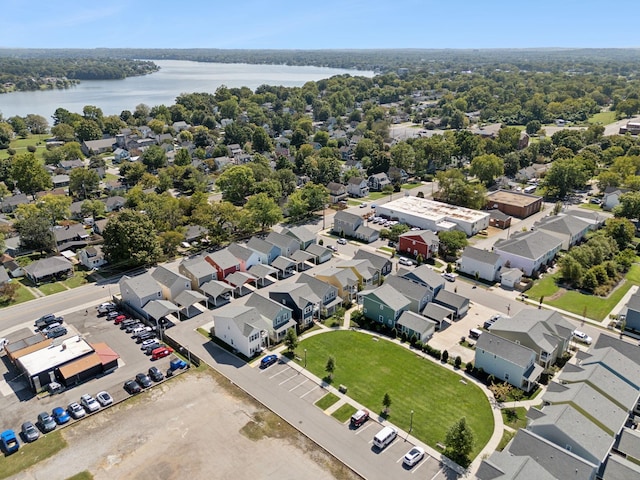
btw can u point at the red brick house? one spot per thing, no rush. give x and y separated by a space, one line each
418 242
224 262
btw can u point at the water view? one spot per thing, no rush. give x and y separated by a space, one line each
175 77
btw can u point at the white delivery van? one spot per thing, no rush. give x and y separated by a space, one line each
384 437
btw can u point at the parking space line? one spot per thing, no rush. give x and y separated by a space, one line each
299 385
314 388
363 428
276 374
437 473
285 381
422 462
400 459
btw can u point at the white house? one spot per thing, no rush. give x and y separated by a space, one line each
509 361
510 277
241 328
528 251
567 228
612 196
92 257
485 264
140 290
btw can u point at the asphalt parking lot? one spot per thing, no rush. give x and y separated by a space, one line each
305 388
19 404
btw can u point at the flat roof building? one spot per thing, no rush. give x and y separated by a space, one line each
516 204
436 216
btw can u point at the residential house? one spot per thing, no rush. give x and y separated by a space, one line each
545 332
115 203
278 316
344 279
483 263
13 268
194 233
263 273
498 219
424 275
302 234
612 196
350 225
384 305
510 277
198 270
411 324
508 361
364 271
442 316
285 266
121 155
419 295
358 187
632 320
320 254
328 294
96 147
60 181
423 243
285 243
267 252
139 290
241 328
515 204
300 299
247 257
378 181
171 283
224 262
337 192
180 126
528 251
92 257
381 263
571 230
217 291
502 465
4 276
612 359
397 175
70 237
99 225
594 218
69 165
452 301
9 204
46 269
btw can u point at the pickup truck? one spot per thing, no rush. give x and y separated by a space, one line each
9 442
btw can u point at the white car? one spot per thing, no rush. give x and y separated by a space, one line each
405 261
449 276
75 410
413 456
104 398
582 337
89 403
363 205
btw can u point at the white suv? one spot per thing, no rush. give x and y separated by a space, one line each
405 261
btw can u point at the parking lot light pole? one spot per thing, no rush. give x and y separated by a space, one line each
411 422
305 358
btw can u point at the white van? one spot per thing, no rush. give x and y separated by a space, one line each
384 437
530 189
475 333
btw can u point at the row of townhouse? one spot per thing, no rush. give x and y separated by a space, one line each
586 426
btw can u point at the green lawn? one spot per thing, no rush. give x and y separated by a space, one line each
86 475
32 453
506 438
20 145
343 413
371 367
326 401
51 288
603 118
78 279
377 195
22 295
544 287
519 420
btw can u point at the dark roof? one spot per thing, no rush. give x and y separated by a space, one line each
506 349
451 299
483 256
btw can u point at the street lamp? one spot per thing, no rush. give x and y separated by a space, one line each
411 422
509 309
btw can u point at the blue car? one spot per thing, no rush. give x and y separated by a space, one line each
60 415
268 361
9 442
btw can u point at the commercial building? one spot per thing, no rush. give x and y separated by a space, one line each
437 216
516 204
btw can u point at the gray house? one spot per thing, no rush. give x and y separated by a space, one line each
350 225
381 263
140 290
378 181
172 283
280 316
268 252
485 264
423 275
285 243
419 295
633 312
358 187
452 301
302 234
198 270
412 324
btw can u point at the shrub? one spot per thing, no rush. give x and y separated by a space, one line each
445 356
31 148
468 367
320 242
457 362
394 334
11 152
403 336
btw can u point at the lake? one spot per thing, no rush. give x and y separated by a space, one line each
162 87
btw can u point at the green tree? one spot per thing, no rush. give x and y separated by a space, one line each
452 242
629 206
36 124
93 208
564 176
487 168
321 137
63 132
170 241
459 442
397 230
34 228
55 207
132 172
403 156
330 367
261 141
316 196
83 183
88 130
533 127
608 179
182 158
291 340
236 183
264 210
622 230
29 174
154 158
131 240
386 403
297 206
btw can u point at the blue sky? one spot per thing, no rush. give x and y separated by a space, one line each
309 24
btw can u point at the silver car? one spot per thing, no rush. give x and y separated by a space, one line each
89 403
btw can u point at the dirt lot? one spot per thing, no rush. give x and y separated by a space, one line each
196 426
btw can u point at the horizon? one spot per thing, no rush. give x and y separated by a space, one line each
334 25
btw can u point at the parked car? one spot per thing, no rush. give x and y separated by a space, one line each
268 361
132 387
57 332
113 314
582 337
3 343
358 418
363 205
595 201
46 320
143 380
46 423
145 343
9 442
60 415
332 248
132 327
75 410
50 327
405 261
128 323
151 347
139 329
342 241
161 352
89 403
104 399
450 277
105 308
143 336
488 323
119 319
177 364
155 374
413 456
29 432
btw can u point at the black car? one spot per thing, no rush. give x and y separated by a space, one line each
132 387
155 374
145 336
143 380
46 320
56 332
151 347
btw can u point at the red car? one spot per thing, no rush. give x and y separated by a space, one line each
161 352
119 319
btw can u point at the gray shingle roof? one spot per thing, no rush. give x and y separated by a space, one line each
166 277
389 296
261 271
160 308
531 245
280 240
483 256
267 307
425 275
241 252
282 263
186 298
141 285
215 288
619 468
378 261
634 302
411 290
452 299
223 258
564 224
48 266
347 217
630 443
317 250
301 233
502 466
415 322
506 349
616 362
259 245
199 267
437 312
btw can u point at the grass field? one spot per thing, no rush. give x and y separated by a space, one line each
506 438
603 118
31 453
343 413
51 288
22 295
79 278
20 145
590 206
517 421
371 367
326 401
575 302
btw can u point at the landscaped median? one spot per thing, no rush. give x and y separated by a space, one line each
371 366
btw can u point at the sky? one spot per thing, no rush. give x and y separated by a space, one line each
324 24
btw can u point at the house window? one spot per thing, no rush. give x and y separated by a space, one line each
506 377
381 307
381 318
